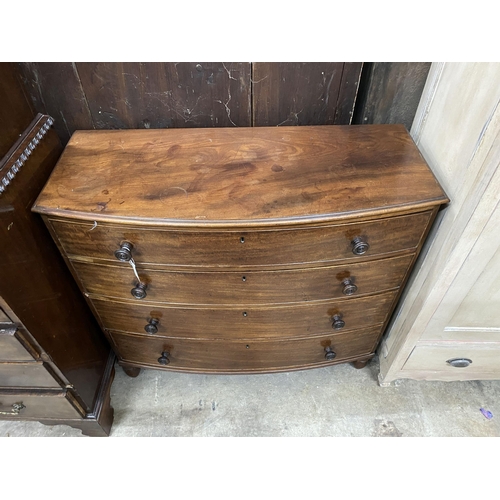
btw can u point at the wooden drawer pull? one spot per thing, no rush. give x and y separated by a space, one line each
163 359
359 246
329 354
337 322
459 362
124 253
349 287
139 291
16 409
152 326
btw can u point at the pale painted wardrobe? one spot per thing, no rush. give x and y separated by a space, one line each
447 326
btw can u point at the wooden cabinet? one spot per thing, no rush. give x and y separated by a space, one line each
56 366
241 250
448 325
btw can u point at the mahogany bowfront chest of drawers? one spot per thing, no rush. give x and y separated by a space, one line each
241 250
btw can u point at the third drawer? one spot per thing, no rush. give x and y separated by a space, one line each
255 322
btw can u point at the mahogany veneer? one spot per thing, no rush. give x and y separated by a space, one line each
255 249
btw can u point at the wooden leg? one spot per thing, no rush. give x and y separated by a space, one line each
131 371
360 363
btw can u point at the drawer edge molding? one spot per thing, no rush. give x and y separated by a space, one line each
352 216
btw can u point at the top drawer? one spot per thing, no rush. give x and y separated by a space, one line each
242 248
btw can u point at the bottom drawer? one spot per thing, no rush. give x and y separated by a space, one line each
467 358
37 405
243 356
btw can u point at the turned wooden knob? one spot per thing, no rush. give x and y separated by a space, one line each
329 353
337 322
163 359
349 287
359 246
139 292
152 326
124 253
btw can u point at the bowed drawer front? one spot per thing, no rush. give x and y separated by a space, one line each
237 321
241 250
244 247
244 287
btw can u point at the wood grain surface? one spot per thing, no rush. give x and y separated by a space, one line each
311 93
389 92
226 356
253 287
55 89
260 321
245 247
255 175
158 95
166 94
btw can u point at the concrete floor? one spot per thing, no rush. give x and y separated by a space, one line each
333 401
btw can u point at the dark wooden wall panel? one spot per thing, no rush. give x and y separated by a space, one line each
115 95
16 111
139 95
390 92
55 89
348 93
160 95
304 93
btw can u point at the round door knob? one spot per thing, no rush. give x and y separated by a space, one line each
329 353
338 323
124 253
163 360
459 362
359 246
349 287
139 292
152 326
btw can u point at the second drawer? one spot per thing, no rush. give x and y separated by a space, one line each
254 287
252 322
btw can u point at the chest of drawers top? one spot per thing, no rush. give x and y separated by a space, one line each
223 177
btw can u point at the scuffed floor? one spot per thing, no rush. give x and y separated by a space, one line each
333 401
